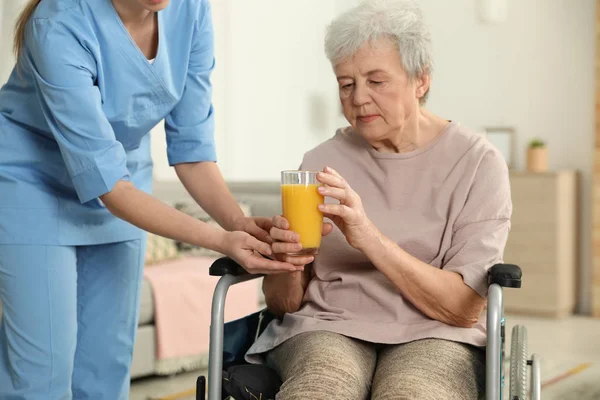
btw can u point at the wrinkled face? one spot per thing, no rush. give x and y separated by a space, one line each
377 95
153 5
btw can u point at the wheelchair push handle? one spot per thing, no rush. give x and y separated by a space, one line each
226 266
505 275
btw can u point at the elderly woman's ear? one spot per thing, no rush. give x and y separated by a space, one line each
422 88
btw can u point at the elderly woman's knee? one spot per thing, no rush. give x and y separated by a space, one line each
429 369
423 386
326 382
313 351
324 364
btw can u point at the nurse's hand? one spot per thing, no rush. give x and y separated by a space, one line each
286 241
248 251
256 226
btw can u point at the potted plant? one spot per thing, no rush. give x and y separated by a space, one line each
537 156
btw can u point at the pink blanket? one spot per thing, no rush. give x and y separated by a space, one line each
183 293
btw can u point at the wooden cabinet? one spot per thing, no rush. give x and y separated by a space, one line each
543 242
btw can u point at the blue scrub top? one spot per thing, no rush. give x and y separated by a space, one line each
76 118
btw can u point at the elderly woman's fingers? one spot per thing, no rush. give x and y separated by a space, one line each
283 235
332 171
285 247
280 222
336 193
327 228
339 210
331 180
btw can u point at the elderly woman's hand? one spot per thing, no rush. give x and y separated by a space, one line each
349 216
286 242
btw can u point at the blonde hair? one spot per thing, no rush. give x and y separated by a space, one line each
20 26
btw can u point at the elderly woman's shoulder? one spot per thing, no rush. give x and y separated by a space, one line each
339 148
475 146
344 139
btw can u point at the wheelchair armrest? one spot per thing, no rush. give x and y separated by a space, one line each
226 265
505 275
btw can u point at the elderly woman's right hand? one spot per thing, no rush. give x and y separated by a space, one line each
286 241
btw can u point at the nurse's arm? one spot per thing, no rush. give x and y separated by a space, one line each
204 182
152 215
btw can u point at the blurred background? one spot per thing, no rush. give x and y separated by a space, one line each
516 70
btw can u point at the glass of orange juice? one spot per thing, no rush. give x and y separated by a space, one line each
300 200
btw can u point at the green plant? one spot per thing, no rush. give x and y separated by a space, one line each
537 143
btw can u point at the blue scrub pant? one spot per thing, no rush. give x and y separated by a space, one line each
69 319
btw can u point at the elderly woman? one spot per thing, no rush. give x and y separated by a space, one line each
392 305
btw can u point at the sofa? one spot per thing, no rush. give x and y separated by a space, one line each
263 199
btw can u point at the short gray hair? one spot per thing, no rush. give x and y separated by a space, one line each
398 20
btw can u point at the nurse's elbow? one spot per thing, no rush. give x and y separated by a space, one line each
117 195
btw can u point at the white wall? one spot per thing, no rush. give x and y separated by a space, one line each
534 72
275 88
9 10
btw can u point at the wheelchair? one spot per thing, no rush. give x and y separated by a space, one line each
521 371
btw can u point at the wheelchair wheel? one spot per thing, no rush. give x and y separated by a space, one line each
518 363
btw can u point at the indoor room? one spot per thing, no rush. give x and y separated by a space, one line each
121 145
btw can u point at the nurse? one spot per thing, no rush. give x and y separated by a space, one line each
92 78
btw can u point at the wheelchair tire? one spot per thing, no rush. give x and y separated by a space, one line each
518 363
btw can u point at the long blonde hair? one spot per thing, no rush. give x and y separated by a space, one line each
20 26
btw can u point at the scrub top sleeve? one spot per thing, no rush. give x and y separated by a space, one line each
190 125
64 73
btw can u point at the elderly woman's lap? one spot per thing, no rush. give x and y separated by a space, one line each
429 369
324 365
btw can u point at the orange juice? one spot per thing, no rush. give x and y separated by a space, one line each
300 207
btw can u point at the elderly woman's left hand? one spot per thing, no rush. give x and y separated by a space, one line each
349 216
